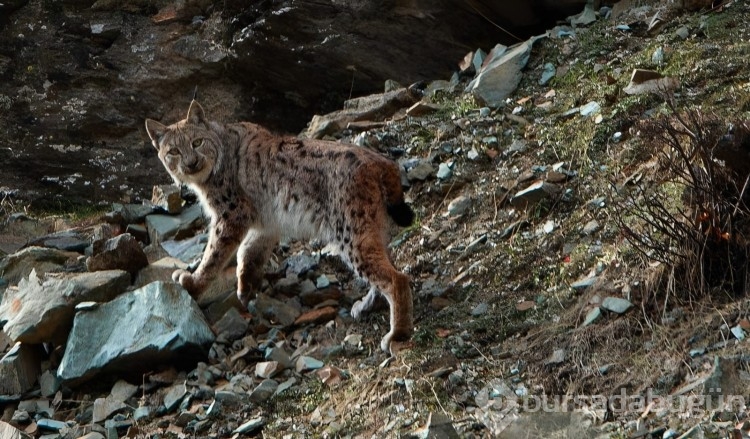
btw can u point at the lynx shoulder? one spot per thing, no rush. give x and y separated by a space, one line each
258 187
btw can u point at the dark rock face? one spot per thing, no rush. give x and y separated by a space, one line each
77 77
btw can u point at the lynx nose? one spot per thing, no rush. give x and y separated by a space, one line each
192 166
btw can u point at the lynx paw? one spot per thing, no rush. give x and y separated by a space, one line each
185 278
386 344
357 309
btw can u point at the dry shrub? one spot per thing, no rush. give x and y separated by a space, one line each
691 214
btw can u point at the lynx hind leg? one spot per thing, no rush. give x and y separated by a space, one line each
252 255
370 260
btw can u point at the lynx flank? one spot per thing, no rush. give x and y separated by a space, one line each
257 187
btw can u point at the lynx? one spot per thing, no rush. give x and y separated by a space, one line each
257 187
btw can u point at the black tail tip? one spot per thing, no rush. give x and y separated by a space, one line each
401 214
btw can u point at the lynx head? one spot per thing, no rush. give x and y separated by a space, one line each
188 149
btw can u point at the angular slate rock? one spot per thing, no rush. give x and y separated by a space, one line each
164 227
18 265
19 369
68 240
167 197
160 270
41 309
187 250
125 214
616 304
8 431
153 324
123 252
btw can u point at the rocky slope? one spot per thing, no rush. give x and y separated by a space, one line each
529 288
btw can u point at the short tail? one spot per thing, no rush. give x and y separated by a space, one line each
401 214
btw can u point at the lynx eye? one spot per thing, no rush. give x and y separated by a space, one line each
197 143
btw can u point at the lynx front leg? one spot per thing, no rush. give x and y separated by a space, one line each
222 243
251 259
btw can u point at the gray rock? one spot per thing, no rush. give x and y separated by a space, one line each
263 391
167 197
590 227
485 112
50 425
123 252
444 171
279 355
422 171
41 310
67 240
21 417
187 250
268 369
174 396
165 227
322 282
160 270
616 304
249 426
139 232
123 390
592 316
49 384
232 326
124 214
584 283
20 369
300 264
557 357
649 81
480 309
534 194
459 205
586 17
106 407
590 109
501 74
19 265
276 311
683 32
547 74
658 56
153 324
306 364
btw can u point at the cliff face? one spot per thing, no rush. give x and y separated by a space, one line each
77 78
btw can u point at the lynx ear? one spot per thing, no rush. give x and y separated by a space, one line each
195 114
155 131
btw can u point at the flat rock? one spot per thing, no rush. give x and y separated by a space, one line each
49 384
459 205
19 369
278 354
276 311
616 304
534 193
232 326
124 214
153 324
123 252
187 250
105 407
592 316
263 391
165 227
18 265
249 426
42 309
268 369
421 171
72 240
306 364
501 73
300 264
174 395
160 270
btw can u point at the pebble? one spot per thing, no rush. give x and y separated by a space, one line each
249 426
592 316
306 364
263 391
590 109
322 281
616 304
682 33
444 171
484 112
459 205
480 309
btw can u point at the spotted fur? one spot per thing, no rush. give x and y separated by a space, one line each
258 187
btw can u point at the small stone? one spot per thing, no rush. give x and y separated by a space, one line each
616 304
547 74
421 171
683 32
268 369
484 112
353 340
738 333
49 384
276 311
279 355
591 227
285 385
472 154
306 364
21 417
174 396
658 56
50 425
300 264
249 426
263 391
105 407
322 281
459 205
584 283
330 375
592 316
123 252
142 412
480 309
444 171
232 326
590 109
167 197
558 356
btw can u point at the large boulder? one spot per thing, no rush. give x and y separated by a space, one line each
19 265
42 309
151 325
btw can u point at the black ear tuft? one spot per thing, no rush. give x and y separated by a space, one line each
195 114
